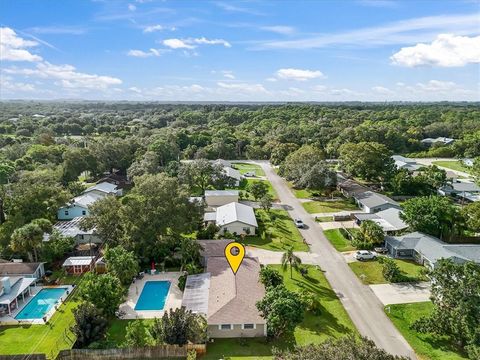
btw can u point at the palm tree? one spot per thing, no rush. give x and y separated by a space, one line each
289 258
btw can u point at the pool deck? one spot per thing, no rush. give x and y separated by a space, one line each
10 319
173 301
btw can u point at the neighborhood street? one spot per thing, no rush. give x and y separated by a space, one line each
364 308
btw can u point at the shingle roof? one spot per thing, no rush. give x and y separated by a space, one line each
233 298
104 186
388 219
213 247
373 199
23 268
221 193
233 173
435 249
234 212
352 187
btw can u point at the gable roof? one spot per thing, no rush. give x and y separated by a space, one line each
435 249
232 298
372 199
78 260
71 228
213 247
233 173
104 186
389 219
233 212
222 162
351 187
85 200
221 193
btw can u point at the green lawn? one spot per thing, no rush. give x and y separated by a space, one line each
276 231
370 272
314 207
244 186
118 329
339 241
324 219
245 167
427 347
453 165
48 339
332 322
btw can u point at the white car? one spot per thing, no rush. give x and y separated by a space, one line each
249 174
299 223
365 255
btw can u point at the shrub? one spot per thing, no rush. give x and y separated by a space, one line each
390 270
270 277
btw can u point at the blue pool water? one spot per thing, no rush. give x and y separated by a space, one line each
41 303
153 296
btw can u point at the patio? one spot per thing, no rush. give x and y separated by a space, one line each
173 301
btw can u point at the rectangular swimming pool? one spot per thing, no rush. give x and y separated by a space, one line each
41 303
153 295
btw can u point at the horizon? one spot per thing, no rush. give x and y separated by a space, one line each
241 51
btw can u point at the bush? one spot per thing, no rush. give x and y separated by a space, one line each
270 277
310 301
390 270
182 280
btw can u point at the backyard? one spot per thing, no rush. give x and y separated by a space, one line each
276 231
370 272
453 165
428 347
333 321
48 339
338 205
245 167
338 240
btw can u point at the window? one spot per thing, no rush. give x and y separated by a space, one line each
225 327
84 212
81 237
248 326
66 212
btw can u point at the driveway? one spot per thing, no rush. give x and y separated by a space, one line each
402 293
429 161
269 257
329 225
364 308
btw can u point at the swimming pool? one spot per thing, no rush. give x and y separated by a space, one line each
41 303
153 295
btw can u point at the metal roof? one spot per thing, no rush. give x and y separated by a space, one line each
78 260
373 199
195 295
104 186
234 212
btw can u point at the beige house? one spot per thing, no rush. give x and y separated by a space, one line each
234 218
215 198
227 301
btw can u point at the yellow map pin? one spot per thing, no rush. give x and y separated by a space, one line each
234 252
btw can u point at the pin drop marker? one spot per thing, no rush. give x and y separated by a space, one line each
234 252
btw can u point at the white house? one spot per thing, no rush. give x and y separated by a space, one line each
214 198
372 202
72 229
402 162
235 218
389 219
104 188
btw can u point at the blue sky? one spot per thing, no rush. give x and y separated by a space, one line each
369 50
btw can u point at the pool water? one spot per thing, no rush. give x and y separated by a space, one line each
41 303
153 296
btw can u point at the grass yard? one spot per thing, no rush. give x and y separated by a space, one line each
245 167
453 165
339 242
332 322
324 219
48 339
244 186
118 329
370 272
276 231
427 347
314 207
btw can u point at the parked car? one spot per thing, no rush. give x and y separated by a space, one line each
249 174
299 223
365 255
381 250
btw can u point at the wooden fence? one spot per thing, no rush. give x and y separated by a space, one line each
154 352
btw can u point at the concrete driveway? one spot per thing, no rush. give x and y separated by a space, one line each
359 301
402 293
269 257
329 225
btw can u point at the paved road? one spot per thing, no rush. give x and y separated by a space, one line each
429 161
364 308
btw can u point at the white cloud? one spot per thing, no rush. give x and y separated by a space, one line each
158 27
7 84
319 88
177 44
144 54
191 43
382 90
343 92
272 79
243 87
299 74
446 50
437 86
132 7
279 29
67 76
13 47
135 89
228 74
399 32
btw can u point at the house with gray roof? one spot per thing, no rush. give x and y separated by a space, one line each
214 198
71 228
402 162
427 250
234 218
227 301
439 140
389 219
372 202
467 190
